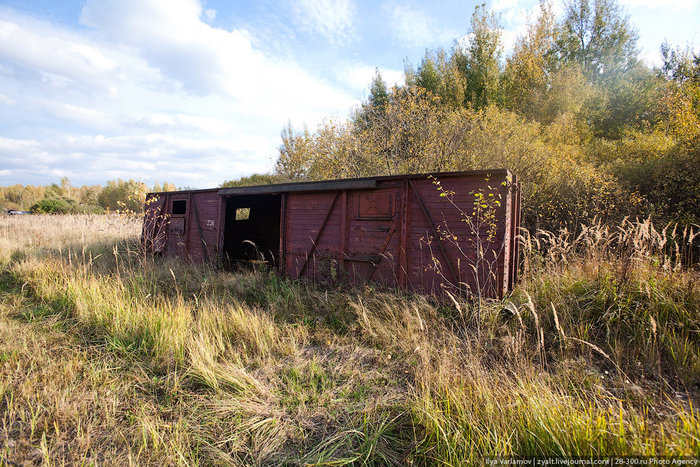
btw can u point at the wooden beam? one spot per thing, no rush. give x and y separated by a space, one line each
282 256
221 220
403 239
188 226
344 224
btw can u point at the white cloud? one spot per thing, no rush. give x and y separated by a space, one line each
672 4
4 99
415 27
333 19
150 157
514 15
207 60
359 77
60 56
78 114
505 5
149 91
510 36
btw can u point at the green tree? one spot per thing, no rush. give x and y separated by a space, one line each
378 94
294 153
120 195
480 60
530 70
599 38
428 76
255 179
376 102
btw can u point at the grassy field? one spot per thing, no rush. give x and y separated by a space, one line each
109 357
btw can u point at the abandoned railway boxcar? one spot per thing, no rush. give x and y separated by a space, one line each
452 231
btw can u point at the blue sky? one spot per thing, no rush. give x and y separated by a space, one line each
197 92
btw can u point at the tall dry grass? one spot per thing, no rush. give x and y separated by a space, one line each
111 357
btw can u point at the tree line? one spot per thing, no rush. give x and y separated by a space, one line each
592 131
64 198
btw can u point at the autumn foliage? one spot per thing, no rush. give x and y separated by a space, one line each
593 132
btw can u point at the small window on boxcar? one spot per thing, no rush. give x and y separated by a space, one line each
242 214
179 207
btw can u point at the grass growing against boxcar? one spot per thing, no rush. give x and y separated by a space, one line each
109 357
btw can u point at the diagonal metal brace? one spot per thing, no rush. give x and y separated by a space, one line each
436 235
318 235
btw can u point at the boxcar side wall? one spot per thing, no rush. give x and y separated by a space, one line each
410 232
458 235
453 232
183 224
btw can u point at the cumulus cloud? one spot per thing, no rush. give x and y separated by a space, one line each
53 54
416 27
332 19
149 157
147 89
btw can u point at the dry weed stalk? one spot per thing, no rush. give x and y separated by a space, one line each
629 243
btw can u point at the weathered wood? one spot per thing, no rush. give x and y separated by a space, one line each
344 225
382 250
403 242
433 229
205 253
314 242
374 231
188 226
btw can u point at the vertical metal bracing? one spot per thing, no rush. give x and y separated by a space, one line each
219 231
380 255
188 226
344 225
283 234
403 240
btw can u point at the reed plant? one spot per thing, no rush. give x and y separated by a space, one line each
112 357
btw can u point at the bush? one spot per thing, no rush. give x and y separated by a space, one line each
53 206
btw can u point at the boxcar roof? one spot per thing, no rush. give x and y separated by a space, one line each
337 184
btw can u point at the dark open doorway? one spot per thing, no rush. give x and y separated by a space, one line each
252 228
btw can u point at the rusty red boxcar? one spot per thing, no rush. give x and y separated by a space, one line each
429 233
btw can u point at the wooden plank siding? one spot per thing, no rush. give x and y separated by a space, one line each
413 231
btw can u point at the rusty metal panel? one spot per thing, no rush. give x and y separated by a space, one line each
373 236
183 224
515 226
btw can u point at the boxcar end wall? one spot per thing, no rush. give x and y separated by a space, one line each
426 233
